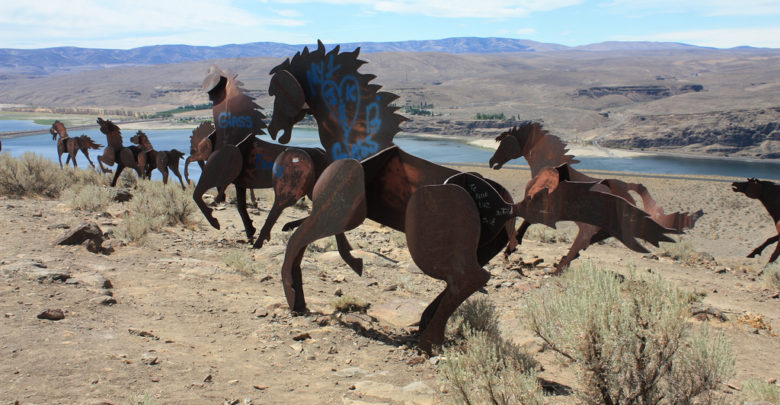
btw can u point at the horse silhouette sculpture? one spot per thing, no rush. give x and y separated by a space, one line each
546 156
162 160
116 152
769 194
242 159
454 222
201 146
72 145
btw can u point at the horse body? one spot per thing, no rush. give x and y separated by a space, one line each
162 160
65 143
545 152
769 194
454 222
115 152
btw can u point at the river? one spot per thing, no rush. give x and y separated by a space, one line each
439 150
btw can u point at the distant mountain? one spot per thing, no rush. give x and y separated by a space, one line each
69 59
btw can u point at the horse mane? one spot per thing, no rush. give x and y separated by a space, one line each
539 148
59 128
374 120
200 133
89 142
141 136
237 105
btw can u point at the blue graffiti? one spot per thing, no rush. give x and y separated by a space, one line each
263 164
343 99
227 120
278 171
319 73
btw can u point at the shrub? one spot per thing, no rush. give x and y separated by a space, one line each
485 368
629 340
545 234
756 391
349 303
31 175
240 261
90 197
153 207
771 276
681 250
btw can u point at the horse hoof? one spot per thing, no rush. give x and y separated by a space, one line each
213 221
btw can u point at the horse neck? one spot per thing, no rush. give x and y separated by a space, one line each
770 199
145 144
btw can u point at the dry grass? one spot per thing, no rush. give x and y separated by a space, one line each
242 262
90 197
155 206
350 303
756 391
771 276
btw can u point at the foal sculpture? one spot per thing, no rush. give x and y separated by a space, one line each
542 151
116 152
72 145
242 159
162 160
454 222
769 194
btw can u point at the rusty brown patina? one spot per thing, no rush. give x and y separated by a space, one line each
162 160
116 152
549 162
454 222
72 145
769 194
238 157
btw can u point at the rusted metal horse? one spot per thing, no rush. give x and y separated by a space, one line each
73 145
454 222
115 152
769 194
544 152
244 160
162 160
201 146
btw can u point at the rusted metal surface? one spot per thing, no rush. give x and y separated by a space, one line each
72 145
543 152
162 160
115 152
769 194
201 146
454 222
238 157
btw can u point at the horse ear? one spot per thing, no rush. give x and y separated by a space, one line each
289 100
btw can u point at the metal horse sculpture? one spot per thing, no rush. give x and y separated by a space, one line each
769 194
162 160
545 153
201 146
244 160
115 152
454 222
73 145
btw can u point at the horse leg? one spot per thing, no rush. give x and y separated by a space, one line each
444 251
776 253
757 251
86 154
186 167
72 157
241 206
583 239
292 224
164 171
103 168
59 157
345 251
119 168
223 167
521 231
339 204
252 197
175 169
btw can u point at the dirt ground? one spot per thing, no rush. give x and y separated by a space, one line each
171 322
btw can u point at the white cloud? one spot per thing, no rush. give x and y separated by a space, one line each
288 13
700 7
718 38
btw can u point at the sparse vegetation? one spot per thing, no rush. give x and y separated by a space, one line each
90 197
350 303
756 391
241 261
483 367
31 175
491 116
420 109
681 250
629 340
771 276
154 207
545 234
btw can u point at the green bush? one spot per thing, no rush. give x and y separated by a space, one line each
629 340
482 367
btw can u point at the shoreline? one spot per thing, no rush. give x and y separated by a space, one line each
576 149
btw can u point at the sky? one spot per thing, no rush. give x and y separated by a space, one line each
125 24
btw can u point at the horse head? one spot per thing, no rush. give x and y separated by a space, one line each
236 115
142 140
112 132
508 149
355 119
58 128
751 188
530 141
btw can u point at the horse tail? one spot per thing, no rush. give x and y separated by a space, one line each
176 154
89 142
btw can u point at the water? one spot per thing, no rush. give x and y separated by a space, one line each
443 151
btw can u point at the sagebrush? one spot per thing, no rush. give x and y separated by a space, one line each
628 338
155 206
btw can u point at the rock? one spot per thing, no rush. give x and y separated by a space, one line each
260 312
58 226
150 359
302 336
52 315
416 360
93 280
84 233
398 313
103 300
123 195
